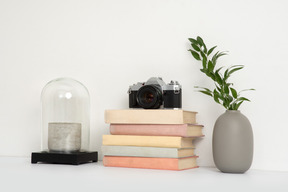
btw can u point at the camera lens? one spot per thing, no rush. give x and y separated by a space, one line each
149 97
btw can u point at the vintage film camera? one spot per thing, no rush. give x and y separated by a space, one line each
154 94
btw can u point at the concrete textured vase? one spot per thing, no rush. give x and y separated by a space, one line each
232 142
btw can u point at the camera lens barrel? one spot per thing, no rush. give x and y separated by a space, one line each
149 97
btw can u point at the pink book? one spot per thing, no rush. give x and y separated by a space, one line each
182 130
151 162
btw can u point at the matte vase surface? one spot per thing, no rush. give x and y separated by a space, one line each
233 142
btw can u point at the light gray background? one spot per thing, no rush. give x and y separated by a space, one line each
109 45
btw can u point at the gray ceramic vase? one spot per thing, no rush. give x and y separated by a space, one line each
233 142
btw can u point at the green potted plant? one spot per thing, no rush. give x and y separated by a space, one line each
232 134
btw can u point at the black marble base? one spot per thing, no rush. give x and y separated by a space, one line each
75 158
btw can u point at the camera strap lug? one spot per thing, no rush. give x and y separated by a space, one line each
129 90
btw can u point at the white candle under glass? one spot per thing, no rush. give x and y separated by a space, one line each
65 137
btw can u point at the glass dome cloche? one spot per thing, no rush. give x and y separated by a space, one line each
65 122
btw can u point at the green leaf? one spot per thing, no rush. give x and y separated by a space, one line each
205 48
206 89
215 92
231 70
216 99
221 54
200 41
215 56
210 66
206 92
216 96
195 55
204 63
218 88
243 99
230 99
202 44
234 70
226 89
217 71
234 92
226 74
235 66
211 50
203 55
232 106
195 47
193 41
218 78
211 74
203 70
247 90
226 103
238 105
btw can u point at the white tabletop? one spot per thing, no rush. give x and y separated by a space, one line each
18 174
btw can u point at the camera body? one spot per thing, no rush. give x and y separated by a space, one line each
154 94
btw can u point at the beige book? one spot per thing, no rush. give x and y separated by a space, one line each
150 116
148 141
182 130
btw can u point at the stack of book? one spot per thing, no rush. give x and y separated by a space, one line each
154 139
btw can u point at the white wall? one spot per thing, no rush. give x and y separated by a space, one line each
111 44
